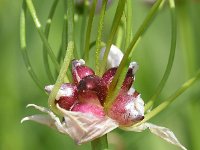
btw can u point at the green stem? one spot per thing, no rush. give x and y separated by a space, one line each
67 59
187 37
99 36
100 143
128 22
170 99
41 33
129 50
171 57
116 22
24 48
64 34
83 27
119 37
46 31
114 94
88 30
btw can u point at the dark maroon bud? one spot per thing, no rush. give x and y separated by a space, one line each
66 96
88 96
127 110
92 109
128 80
109 75
91 88
79 70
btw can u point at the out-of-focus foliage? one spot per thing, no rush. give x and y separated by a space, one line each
17 88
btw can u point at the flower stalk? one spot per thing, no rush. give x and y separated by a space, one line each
100 143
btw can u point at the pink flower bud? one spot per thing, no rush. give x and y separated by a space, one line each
89 108
66 96
127 110
109 75
92 88
79 70
88 96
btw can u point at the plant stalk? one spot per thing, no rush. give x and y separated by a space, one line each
100 143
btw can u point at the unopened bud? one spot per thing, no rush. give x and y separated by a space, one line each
92 109
92 87
79 70
66 96
127 110
109 75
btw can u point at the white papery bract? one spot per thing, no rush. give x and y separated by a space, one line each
81 127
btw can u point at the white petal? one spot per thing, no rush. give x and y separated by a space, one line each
162 132
131 91
81 127
63 91
114 57
134 65
76 63
42 119
54 118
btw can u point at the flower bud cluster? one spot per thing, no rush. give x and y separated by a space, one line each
88 92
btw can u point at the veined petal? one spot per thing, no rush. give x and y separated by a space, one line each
55 122
85 127
162 132
81 127
42 119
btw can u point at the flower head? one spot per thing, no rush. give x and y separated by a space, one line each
81 104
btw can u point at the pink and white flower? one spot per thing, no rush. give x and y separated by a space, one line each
81 105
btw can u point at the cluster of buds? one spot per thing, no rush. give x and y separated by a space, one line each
88 92
81 104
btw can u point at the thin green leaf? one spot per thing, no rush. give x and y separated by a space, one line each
38 25
99 37
68 56
24 48
170 60
46 31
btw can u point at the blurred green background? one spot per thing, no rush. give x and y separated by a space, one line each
17 88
